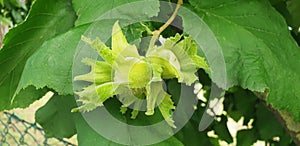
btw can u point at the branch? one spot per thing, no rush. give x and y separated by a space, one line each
156 33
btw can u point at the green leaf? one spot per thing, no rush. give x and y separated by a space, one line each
134 33
43 22
190 136
56 118
266 123
52 71
55 71
222 130
94 10
255 54
24 98
246 137
171 141
17 16
293 7
241 104
87 136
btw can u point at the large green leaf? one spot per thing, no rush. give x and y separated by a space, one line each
56 118
86 135
259 52
190 136
43 22
53 71
93 10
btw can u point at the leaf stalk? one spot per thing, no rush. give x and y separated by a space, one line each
156 33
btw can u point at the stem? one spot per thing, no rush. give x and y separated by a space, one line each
156 33
148 30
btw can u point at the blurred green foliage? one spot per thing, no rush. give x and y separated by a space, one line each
13 11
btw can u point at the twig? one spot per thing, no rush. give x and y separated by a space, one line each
156 33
